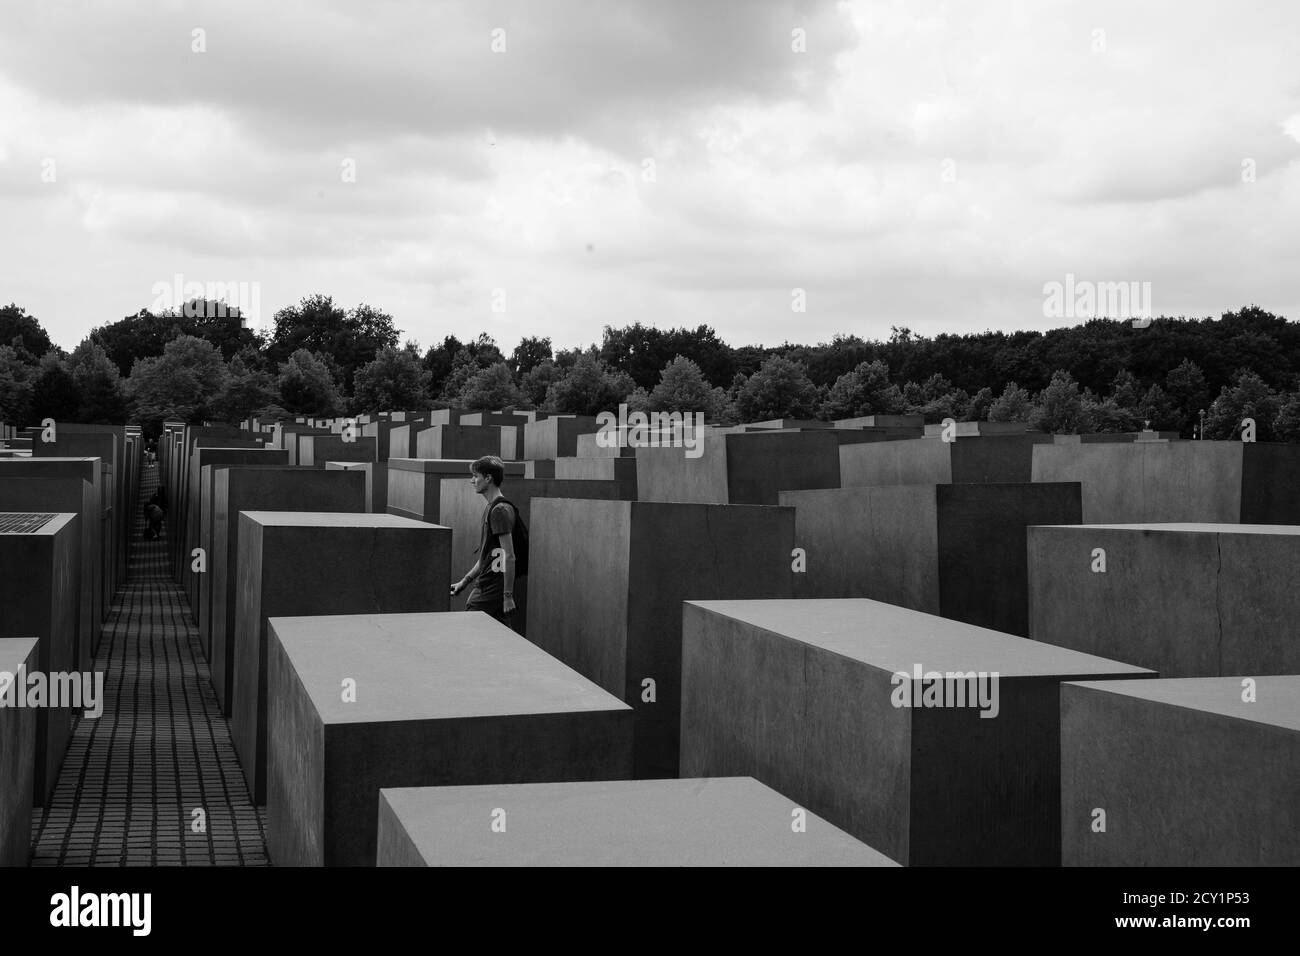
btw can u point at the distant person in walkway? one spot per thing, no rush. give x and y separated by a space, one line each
493 574
155 511
154 516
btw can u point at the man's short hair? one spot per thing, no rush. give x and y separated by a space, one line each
492 466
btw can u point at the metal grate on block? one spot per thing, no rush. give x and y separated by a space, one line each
14 523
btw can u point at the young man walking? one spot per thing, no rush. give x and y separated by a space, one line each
493 575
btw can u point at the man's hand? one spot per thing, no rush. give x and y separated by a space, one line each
507 604
458 587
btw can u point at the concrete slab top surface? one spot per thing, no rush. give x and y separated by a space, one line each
33 524
1277 698
1183 527
334 519
719 821
430 666
449 466
14 651
895 638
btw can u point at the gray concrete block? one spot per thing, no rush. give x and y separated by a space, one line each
107 443
72 496
932 461
883 421
953 550
1198 481
376 481
465 441
790 423
402 439
729 821
96 532
315 450
292 440
444 416
39 562
462 510
554 438
588 447
260 488
194 518
1143 436
381 432
606 584
805 696
621 470
17 755
1187 600
415 484
293 563
979 429
441 700
1186 771
507 418
207 463
749 469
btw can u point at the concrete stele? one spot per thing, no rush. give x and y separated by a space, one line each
1187 772
39 564
441 700
957 550
802 696
729 821
607 580
1186 600
295 563
1209 481
259 488
17 757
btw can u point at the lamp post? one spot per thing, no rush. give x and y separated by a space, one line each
1200 435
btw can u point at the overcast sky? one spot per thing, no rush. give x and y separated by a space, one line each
675 162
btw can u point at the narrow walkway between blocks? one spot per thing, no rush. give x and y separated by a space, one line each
132 778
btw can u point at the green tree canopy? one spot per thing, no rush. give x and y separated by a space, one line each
1060 406
588 388
395 381
100 385
779 389
1013 405
182 383
490 388
683 388
23 333
351 338
247 391
529 354
307 386
15 388
865 390
1247 397
54 393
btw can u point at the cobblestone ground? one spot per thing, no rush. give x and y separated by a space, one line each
132 778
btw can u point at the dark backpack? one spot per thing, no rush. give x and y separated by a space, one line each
518 537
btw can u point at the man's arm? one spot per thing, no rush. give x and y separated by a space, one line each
470 576
506 543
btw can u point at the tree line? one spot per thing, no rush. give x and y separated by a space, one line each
200 362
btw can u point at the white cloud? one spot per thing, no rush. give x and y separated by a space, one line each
923 163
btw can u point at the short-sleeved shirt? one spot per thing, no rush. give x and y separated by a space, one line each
498 519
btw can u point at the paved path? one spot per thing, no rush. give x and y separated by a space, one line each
133 778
